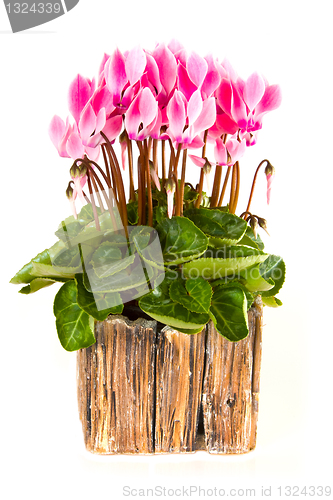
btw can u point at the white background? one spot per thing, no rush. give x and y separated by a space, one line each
290 43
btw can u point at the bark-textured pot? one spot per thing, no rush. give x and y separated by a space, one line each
142 389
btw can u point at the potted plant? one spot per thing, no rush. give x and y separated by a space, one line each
162 284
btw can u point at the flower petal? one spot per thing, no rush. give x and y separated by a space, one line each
112 127
57 129
207 116
220 152
185 84
79 93
135 64
198 161
254 90
271 100
74 146
115 75
212 79
87 123
167 66
194 107
197 68
177 115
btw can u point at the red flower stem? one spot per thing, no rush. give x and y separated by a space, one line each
179 210
93 201
216 186
163 164
172 157
107 200
119 181
253 185
130 168
142 185
107 167
224 187
236 173
155 162
199 199
233 188
217 180
149 192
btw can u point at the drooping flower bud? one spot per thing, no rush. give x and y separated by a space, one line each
78 170
71 195
154 175
254 225
123 145
170 188
263 224
270 173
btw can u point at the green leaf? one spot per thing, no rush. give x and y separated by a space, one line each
271 301
250 240
194 294
249 296
147 244
231 252
75 327
222 227
97 305
254 281
273 268
132 212
180 240
25 275
191 331
39 283
210 268
107 260
49 271
161 307
229 313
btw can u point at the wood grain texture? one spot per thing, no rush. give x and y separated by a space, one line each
231 388
179 373
142 392
116 387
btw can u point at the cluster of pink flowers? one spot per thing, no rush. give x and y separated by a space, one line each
165 94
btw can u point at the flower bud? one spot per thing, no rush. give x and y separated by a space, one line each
254 225
69 191
269 170
170 186
78 170
263 224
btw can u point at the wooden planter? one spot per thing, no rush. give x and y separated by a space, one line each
142 390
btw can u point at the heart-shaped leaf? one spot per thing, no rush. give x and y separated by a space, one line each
161 307
254 281
181 240
222 227
273 268
229 313
75 327
97 305
210 268
194 294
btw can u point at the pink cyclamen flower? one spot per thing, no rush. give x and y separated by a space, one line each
141 116
230 152
246 102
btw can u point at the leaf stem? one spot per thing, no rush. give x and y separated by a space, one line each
130 168
149 192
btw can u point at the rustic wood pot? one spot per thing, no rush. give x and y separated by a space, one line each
143 389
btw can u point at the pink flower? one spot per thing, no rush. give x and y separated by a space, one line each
246 102
229 153
141 116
